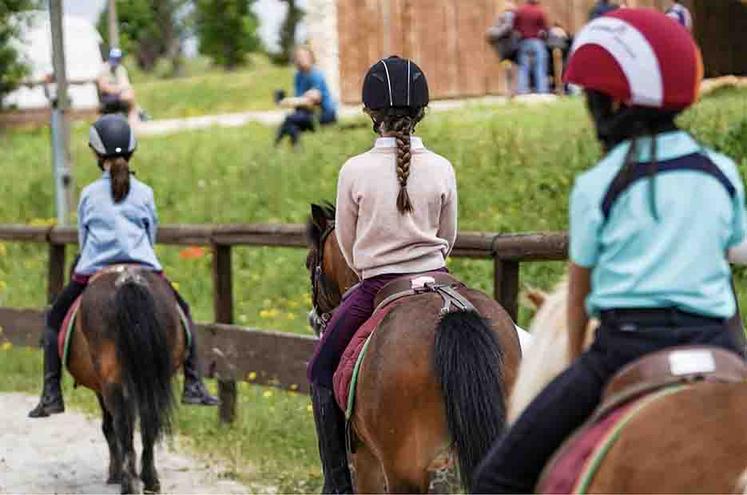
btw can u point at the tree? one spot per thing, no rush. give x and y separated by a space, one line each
150 30
12 68
293 16
227 30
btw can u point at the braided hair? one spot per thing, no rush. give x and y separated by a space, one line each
401 122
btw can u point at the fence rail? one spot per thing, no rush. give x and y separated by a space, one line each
230 352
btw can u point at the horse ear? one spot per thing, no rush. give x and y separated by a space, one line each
318 218
537 297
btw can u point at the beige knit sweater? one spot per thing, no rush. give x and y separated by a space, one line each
374 237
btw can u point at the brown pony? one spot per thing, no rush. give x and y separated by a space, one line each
692 441
431 389
127 343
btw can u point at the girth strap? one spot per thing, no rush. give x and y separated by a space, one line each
697 162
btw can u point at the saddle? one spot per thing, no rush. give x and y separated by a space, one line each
631 390
65 335
391 295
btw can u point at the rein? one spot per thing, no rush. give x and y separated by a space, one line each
320 319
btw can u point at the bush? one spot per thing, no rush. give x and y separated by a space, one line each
12 68
227 30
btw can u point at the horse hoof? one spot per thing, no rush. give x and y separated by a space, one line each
153 489
114 479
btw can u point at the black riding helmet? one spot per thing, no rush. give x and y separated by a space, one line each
111 136
395 82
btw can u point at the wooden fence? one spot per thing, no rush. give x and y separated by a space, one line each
229 352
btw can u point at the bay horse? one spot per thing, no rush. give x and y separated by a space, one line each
431 389
127 343
692 441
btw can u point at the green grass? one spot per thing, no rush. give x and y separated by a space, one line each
515 167
205 89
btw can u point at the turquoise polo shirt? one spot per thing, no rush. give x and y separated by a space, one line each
676 261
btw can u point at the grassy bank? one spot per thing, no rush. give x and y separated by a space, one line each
205 90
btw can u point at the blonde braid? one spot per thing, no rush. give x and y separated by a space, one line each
402 128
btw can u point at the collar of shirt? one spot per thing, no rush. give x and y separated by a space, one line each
389 142
669 145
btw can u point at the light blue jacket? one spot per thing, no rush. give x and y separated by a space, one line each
111 232
678 260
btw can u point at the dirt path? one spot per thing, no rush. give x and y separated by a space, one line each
67 453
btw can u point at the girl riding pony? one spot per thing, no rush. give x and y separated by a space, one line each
650 228
117 223
396 215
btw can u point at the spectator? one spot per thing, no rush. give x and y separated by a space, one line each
602 7
531 23
115 91
505 40
680 13
312 100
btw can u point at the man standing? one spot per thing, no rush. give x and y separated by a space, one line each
681 14
531 24
600 8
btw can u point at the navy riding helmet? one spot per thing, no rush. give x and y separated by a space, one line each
395 82
111 136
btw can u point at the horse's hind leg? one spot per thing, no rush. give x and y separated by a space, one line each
115 460
124 426
148 472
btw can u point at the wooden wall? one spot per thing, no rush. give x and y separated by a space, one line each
447 38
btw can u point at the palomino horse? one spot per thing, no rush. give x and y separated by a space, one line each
691 441
127 343
431 388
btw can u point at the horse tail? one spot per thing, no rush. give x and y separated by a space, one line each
144 356
467 361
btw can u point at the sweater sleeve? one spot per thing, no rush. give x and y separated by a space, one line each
448 222
153 218
346 216
82 221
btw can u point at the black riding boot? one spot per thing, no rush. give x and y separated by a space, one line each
330 430
51 400
195 392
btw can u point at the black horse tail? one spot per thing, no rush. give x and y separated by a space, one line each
144 356
468 361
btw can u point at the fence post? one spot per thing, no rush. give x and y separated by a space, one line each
55 271
223 309
506 285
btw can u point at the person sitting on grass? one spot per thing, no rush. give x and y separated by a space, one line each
117 223
115 90
312 101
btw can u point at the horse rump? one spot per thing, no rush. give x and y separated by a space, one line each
467 361
144 356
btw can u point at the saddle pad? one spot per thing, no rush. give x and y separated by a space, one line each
65 336
346 375
574 466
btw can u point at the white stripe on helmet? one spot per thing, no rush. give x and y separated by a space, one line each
95 140
633 53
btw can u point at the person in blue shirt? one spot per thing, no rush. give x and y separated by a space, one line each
312 101
651 226
117 223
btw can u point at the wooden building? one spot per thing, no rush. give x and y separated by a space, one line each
447 38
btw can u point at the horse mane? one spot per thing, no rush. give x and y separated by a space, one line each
548 355
313 231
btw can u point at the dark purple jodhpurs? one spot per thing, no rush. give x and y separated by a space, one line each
355 309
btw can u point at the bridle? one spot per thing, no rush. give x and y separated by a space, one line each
318 318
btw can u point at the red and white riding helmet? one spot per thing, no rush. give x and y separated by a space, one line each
638 56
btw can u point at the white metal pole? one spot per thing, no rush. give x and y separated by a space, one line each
60 130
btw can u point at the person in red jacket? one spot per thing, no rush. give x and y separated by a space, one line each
531 24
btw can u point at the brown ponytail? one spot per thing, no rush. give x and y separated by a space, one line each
120 176
401 122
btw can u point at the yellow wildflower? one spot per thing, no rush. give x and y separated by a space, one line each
175 285
309 408
6 346
294 387
252 376
267 394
